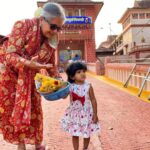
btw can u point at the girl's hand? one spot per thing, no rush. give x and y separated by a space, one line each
95 118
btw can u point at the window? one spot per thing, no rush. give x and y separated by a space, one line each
77 12
82 12
142 16
69 12
66 12
147 15
135 16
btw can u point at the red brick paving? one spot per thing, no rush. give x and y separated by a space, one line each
124 120
126 115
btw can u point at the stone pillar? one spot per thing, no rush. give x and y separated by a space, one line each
100 69
90 54
107 60
97 67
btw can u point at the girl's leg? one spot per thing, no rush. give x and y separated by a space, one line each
21 147
75 141
86 143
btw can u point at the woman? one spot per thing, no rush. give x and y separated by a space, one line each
27 51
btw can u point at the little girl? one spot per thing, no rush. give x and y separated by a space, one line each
80 119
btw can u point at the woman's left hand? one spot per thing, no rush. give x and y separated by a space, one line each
35 58
95 118
47 66
44 72
43 66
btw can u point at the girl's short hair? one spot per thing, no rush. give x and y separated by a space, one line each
73 68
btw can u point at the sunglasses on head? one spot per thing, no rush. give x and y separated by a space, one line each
53 26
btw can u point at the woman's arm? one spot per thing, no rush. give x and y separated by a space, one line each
94 104
15 46
17 61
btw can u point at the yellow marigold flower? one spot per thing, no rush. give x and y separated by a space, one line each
48 84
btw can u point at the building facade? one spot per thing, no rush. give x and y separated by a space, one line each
78 35
105 48
135 38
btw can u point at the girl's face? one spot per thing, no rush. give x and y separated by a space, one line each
49 29
79 76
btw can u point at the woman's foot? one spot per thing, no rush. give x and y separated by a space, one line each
40 147
21 147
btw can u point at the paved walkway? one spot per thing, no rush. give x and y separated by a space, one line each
124 119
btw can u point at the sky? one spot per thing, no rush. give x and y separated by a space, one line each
13 10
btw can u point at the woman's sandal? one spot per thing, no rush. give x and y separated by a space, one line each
41 147
21 147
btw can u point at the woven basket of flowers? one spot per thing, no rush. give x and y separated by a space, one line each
50 88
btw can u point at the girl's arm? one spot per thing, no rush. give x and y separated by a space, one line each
94 104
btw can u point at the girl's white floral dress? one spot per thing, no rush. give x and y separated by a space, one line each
78 116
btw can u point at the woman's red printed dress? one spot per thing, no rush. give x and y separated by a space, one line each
21 119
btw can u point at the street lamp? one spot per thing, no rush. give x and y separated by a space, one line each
110 29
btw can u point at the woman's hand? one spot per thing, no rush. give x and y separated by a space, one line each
46 66
36 65
95 118
41 66
35 58
44 72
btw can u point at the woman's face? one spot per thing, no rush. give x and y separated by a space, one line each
51 28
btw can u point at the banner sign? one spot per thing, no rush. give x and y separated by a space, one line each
78 20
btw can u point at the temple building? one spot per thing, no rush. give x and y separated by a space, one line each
78 34
105 48
135 37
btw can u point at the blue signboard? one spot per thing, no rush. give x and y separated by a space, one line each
78 20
